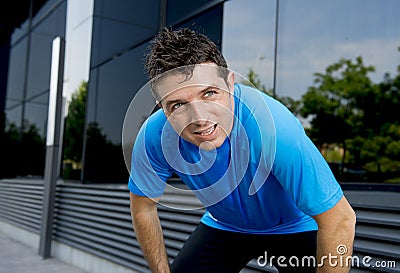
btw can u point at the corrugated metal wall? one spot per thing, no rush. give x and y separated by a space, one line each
96 219
378 236
21 203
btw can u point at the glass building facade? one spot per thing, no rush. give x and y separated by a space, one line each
284 42
27 91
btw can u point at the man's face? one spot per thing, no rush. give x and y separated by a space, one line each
200 109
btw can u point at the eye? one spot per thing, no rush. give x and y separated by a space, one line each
177 105
210 93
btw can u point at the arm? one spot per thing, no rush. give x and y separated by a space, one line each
149 233
336 227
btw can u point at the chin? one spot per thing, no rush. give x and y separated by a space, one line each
207 146
211 145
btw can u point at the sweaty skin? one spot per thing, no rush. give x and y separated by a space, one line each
200 109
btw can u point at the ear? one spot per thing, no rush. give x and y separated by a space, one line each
231 81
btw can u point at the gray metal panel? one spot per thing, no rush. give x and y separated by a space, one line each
104 224
21 203
97 220
378 235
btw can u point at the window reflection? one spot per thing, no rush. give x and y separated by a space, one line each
180 10
333 56
332 59
314 34
23 144
16 73
121 25
39 64
113 37
248 38
117 82
112 87
208 23
144 14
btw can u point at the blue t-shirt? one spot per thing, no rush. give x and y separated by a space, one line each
266 178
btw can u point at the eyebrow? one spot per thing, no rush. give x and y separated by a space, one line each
208 88
169 103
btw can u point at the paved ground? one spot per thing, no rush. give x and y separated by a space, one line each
18 258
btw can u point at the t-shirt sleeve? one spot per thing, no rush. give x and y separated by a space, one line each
301 169
149 170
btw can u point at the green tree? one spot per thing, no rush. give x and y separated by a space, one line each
380 132
74 126
23 150
332 102
348 109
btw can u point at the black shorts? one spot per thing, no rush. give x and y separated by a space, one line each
212 250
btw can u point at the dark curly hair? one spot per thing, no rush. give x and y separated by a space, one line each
181 48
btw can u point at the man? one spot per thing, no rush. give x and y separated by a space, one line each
266 188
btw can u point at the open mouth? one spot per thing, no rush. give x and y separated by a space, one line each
206 132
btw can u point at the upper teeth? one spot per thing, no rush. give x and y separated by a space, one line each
207 132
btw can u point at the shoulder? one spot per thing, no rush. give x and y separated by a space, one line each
259 102
155 122
150 133
269 113
150 144
261 112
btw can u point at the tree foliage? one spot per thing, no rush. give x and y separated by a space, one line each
23 150
75 124
332 101
349 110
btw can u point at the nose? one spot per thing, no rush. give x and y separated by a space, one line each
198 113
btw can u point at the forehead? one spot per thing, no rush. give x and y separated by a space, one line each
203 75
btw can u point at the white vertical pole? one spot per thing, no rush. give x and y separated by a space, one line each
53 145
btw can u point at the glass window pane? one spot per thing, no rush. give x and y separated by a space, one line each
26 147
10 145
13 117
111 38
248 38
36 114
314 34
116 84
209 23
144 14
18 34
40 51
39 64
34 137
26 110
92 96
16 72
78 46
51 8
179 10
